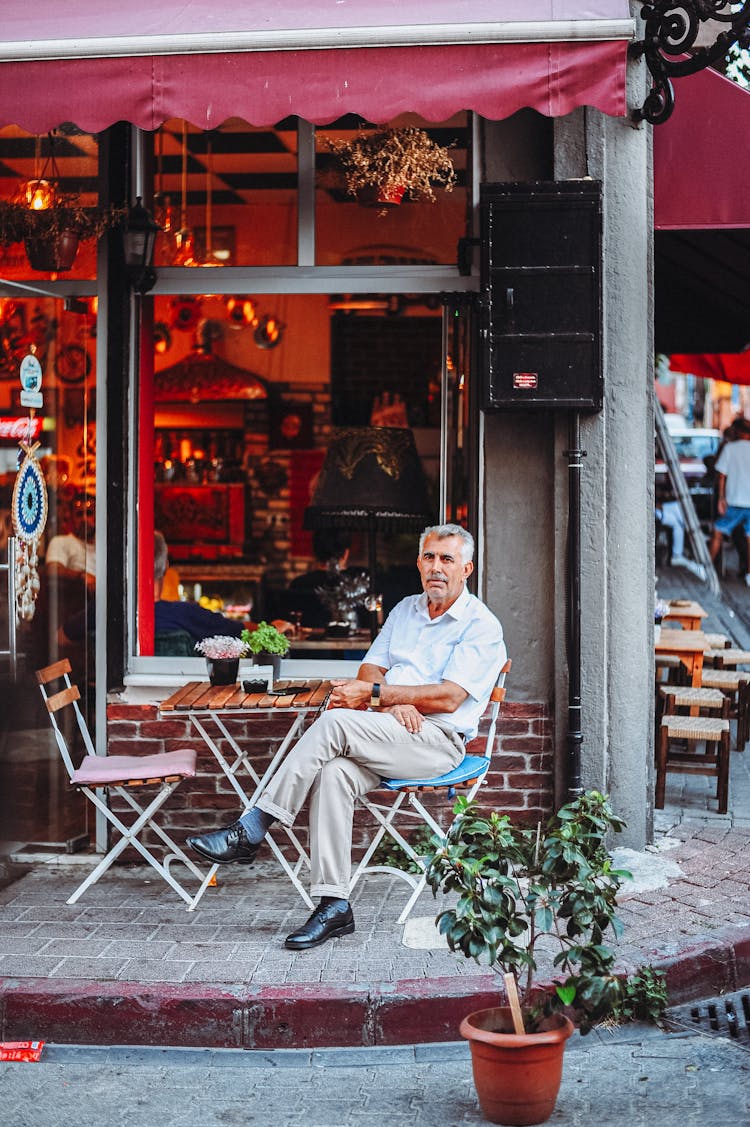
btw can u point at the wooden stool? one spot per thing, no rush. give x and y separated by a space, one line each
676 674
714 761
735 684
717 642
727 657
685 696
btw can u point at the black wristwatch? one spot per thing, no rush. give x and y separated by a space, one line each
375 695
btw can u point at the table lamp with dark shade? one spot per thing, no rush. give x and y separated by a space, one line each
371 479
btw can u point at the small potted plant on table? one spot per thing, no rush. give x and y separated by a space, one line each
267 645
222 653
521 889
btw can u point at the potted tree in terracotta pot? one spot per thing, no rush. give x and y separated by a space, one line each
522 890
384 167
267 645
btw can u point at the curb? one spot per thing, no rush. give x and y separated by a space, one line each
306 1016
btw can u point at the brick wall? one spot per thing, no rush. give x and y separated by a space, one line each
519 782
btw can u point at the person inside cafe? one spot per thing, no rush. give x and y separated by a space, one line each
302 602
417 697
733 490
175 617
71 555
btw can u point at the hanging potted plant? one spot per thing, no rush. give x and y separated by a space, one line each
267 645
382 168
222 653
520 889
51 235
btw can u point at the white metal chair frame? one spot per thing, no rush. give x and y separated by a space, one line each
166 771
470 773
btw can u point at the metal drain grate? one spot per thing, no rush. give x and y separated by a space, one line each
727 1016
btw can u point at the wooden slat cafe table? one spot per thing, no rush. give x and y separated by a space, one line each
688 646
687 612
210 707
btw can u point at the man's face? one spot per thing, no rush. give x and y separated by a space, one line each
442 569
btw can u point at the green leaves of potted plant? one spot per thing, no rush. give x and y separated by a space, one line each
267 644
520 890
381 167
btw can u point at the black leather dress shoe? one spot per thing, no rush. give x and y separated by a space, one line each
330 918
229 846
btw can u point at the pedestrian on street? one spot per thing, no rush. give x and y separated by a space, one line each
733 489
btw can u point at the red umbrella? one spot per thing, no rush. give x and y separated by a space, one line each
732 367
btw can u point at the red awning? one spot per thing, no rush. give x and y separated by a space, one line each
319 59
701 159
732 367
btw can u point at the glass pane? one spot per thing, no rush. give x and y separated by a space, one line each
227 197
241 431
68 161
359 231
39 805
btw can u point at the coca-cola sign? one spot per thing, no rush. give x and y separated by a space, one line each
21 429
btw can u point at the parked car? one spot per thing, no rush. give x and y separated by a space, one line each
696 449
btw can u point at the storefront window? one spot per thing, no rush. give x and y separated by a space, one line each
360 231
241 432
228 197
44 808
60 167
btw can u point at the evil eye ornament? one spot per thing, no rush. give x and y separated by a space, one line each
29 501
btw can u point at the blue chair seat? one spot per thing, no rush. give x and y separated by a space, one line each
470 767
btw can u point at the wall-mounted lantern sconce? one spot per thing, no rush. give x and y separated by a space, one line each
675 44
139 238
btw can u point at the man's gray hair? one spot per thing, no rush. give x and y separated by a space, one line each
443 531
161 559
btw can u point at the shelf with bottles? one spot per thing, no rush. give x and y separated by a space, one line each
198 456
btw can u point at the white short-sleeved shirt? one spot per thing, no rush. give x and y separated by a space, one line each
68 551
734 462
464 645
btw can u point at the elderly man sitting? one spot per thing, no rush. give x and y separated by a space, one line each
417 697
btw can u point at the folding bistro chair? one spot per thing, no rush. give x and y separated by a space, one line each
121 775
470 773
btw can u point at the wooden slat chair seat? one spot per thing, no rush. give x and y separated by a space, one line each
470 773
98 775
713 733
735 684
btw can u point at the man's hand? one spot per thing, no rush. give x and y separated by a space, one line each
406 714
350 694
721 506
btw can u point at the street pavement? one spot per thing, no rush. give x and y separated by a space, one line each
632 1077
128 965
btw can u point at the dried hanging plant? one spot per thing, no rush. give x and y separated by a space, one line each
392 159
19 222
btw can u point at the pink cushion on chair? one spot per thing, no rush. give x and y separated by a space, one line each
100 770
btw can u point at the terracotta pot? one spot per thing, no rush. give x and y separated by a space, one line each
52 253
517 1077
223 671
372 196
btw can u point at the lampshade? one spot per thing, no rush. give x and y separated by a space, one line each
371 478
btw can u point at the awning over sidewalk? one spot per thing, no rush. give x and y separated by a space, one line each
701 157
731 367
95 64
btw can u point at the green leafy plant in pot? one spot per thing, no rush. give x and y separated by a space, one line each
521 889
267 645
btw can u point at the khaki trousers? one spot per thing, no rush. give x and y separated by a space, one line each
342 755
